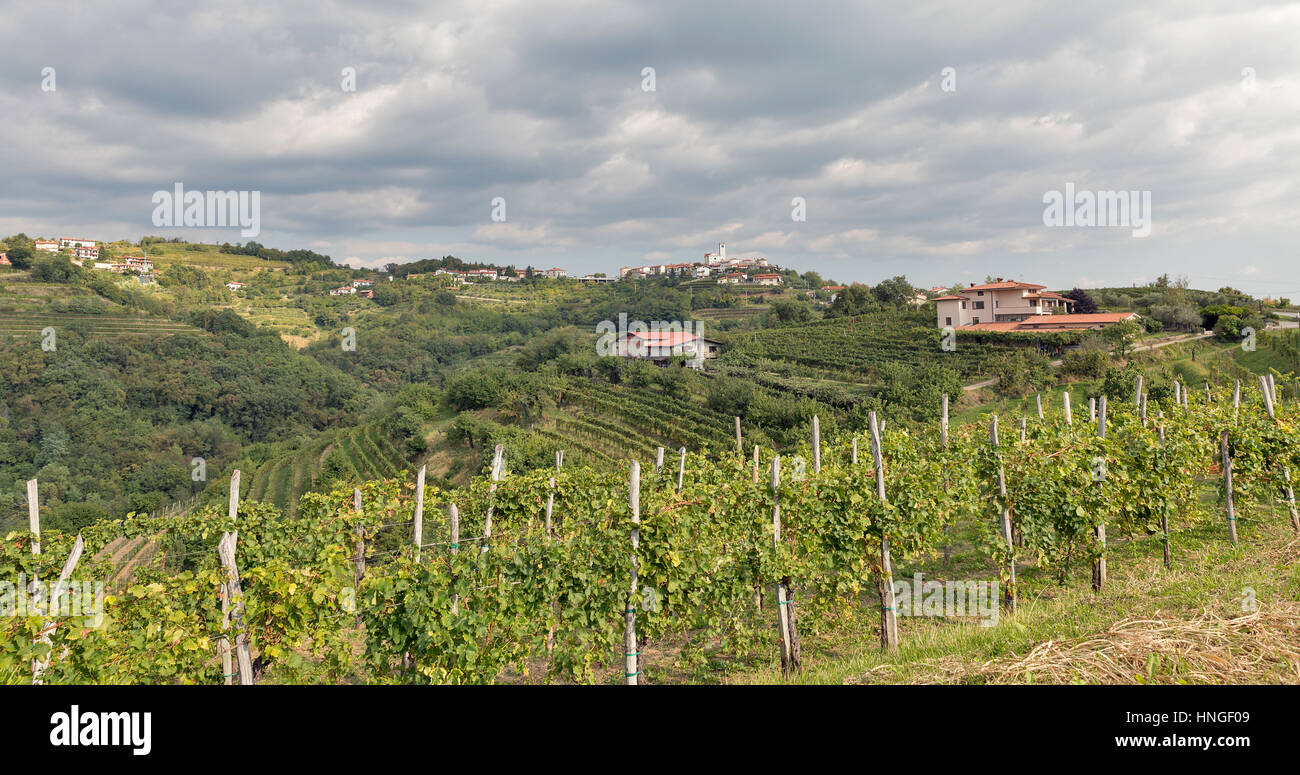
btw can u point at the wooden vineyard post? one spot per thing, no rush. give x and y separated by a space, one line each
787 631
1065 401
1290 500
1228 505
755 466
34 514
1143 410
943 443
1022 430
1038 404
360 562
233 597
681 465
1099 532
550 495
69 566
496 477
34 525
419 512
631 654
453 522
1092 410
1009 599
1268 397
659 459
1186 409
223 645
1269 393
1178 399
853 452
740 448
888 614
943 423
1208 399
1272 387
1164 517
1137 392
817 445
1236 397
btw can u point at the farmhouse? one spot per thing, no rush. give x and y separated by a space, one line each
86 252
234 286
134 263
481 274
48 245
1001 301
660 346
342 290
731 278
73 242
361 283
767 279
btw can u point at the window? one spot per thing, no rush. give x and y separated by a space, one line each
963 305
979 305
979 293
947 321
977 320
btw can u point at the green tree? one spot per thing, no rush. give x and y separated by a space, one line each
1122 334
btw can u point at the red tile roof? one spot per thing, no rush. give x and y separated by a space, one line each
1052 322
1004 285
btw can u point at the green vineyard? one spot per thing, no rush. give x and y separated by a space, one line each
578 575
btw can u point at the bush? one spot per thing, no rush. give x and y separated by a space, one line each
1089 361
1023 372
475 390
730 396
1228 328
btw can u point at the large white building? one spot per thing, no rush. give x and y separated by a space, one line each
1002 301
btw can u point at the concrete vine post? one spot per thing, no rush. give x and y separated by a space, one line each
787 630
632 655
1009 597
888 614
1099 532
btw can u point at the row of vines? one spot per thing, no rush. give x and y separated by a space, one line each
339 594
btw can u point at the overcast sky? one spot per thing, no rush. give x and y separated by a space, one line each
754 104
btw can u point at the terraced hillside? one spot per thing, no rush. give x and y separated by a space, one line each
347 455
16 323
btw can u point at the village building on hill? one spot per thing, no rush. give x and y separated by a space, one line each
1007 305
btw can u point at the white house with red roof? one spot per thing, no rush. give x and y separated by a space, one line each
48 245
76 242
1001 301
660 346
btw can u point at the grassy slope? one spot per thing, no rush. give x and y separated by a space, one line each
1185 624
